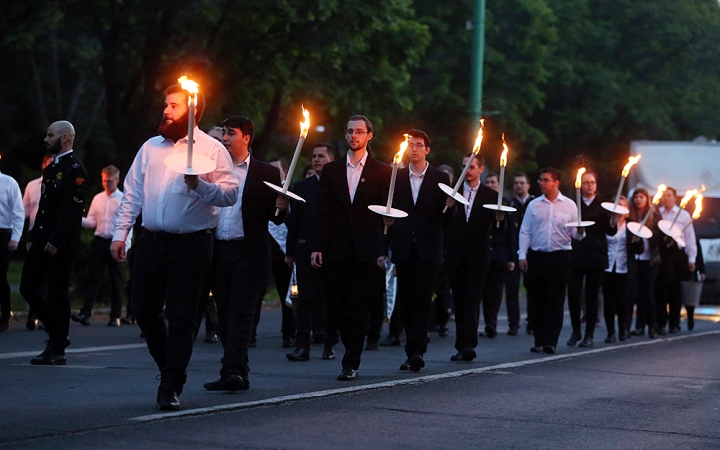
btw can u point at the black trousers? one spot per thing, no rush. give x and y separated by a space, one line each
668 291
492 295
642 288
468 284
378 302
415 280
281 276
101 257
351 292
310 295
4 265
614 286
235 293
169 271
546 285
440 315
592 279
512 295
395 321
53 307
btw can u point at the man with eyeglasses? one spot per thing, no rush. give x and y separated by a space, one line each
544 255
417 244
521 187
347 239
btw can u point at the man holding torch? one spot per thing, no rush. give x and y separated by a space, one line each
347 238
174 248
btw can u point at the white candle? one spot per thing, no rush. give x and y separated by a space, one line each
304 127
625 172
192 99
503 163
578 183
475 151
396 162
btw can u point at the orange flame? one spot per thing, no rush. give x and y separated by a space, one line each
403 146
578 179
305 126
660 191
631 162
190 86
478 140
698 207
503 157
688 196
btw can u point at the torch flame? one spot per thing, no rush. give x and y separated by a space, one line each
403 146
503 157
631 162
578 179
660 191
188 85
688 196
698 207
305 126
478 140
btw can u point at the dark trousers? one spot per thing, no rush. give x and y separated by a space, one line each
668 291
309 296
170 270
614 286
53 308
546 285
492 294
574 293
643 292
101 257
4 285
378 303
415 280
468 284
129 309
351 289
281 276
440 315
235 293
512 295
395 321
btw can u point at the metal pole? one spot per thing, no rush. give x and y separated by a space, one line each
478 58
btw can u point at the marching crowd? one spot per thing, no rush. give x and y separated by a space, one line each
226 233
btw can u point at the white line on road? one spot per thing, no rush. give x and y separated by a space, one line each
406 382
75 350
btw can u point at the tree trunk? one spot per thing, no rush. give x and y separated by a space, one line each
272 118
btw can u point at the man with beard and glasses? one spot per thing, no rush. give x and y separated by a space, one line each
54 238
174 249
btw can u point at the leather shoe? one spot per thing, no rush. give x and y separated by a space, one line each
443 331
391 341
348 375
512 332
624 334
211 337
466 355
50 357
537 349
405 365
82 318
652 334
587 342
416 363
372 345
128 320
489 332
674 330
610 339
661 331
114 322
300 354
169 401
549 349
288 342
328 353
638 332
231 383
574 338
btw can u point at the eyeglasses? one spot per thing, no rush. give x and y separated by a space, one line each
418 145
545 180
358 132
589 182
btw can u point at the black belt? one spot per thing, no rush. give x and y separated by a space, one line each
5 230
165 236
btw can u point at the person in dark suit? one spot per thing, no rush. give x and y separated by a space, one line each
347 237
241 253
53 241
310 303
468 255
503 253
588 261
521 187
417 244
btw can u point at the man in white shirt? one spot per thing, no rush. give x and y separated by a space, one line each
173 253
101 217
544 255
12 217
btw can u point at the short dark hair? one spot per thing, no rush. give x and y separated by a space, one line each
479 157
554 173
368 124
420 134
590 172
283 162
522 174
199 109
493 174
245 125
671 189
448 169
331 150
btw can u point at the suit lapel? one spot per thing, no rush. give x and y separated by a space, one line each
252 175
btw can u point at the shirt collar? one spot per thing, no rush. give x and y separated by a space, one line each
422 174
466 187
58 157
245 161
361 162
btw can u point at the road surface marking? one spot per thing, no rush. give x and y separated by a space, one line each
74 350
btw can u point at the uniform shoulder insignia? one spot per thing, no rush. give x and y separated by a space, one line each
75 166
79 181
77 200
59 175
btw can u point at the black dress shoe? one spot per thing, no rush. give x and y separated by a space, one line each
231 383
690 322
549 349
348 375
82 318
652 334
405 365
328 353
288 342
661 331
624 335
674 330
489 332
50 357
128 320
372 344
416 363
537 349
640 332
443 331
574 338
300 354
467 355
211 337
391 341
586 343
610 339
114 322
512 332
169 401
457 357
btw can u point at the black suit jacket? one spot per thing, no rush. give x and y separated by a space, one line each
504 243
468 242
258 207
339 223
301 222
590 253
424 224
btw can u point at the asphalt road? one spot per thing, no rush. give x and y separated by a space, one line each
643 393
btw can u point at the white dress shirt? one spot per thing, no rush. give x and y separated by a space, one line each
162 194
543 228
230 225
12 213
617 250
354 173
416 181
31 200
102 215
684 220
469 194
